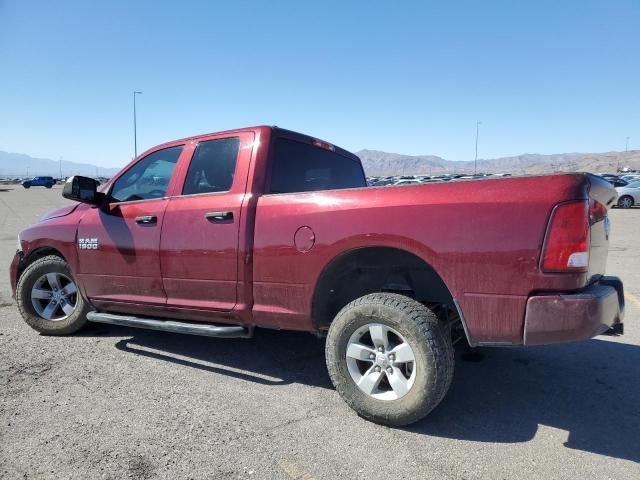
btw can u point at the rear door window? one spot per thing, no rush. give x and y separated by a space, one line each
212 167
302 167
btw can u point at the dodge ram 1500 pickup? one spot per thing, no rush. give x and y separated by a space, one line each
263 227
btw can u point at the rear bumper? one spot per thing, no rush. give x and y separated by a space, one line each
557 318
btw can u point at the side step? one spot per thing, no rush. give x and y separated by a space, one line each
227 331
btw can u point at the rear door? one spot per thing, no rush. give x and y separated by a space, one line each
118 246
200 233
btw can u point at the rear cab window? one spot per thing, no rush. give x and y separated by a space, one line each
301 166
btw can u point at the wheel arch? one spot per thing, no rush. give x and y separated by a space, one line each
370 269
36 254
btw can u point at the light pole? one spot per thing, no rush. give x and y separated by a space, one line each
475 162
135 133
626 145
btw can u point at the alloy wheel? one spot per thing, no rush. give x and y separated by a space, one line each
54 296
381 362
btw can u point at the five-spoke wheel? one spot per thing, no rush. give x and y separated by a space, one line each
49 299
54 296
381 362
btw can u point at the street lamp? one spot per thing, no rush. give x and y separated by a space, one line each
475 162
135 133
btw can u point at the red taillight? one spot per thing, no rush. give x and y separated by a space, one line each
566 248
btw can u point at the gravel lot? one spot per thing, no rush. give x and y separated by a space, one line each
118 403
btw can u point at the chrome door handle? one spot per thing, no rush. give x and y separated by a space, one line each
219 216
147 220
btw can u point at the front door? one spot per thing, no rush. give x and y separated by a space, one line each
118 244
200 233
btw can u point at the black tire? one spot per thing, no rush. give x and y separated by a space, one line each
625 201
431 344
48 185
71 324
26 185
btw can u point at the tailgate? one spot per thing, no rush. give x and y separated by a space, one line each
605 195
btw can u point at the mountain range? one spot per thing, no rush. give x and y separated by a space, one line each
20 165
376 163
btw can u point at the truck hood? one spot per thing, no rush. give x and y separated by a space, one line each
60 212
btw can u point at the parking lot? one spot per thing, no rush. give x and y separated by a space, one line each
116 403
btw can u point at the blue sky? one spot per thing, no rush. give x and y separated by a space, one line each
542 76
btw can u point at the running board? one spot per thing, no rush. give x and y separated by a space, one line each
228 331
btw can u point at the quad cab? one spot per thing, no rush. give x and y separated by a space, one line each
263 227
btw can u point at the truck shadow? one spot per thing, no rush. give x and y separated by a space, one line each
269 357
499 395
589 389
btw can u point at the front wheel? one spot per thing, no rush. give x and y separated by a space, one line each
390 358
625 202
48 297
26 185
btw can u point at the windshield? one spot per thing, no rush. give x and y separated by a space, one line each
633 185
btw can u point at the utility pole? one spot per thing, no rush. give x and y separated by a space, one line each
135 132
626 145
475 162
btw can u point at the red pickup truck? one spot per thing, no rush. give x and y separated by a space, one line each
263 227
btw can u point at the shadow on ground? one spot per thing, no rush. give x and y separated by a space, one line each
269 357
590 389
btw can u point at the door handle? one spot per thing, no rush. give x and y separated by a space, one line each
219 216
147 220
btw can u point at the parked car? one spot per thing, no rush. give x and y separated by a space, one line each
39 182
629 195
264 227
617 182
630 178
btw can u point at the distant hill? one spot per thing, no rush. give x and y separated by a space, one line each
20 165
378 163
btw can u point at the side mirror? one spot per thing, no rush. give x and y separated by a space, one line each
82 189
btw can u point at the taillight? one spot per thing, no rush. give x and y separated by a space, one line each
597 212
566 247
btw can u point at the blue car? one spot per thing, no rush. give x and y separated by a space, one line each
39 182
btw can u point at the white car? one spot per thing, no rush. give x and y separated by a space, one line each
629 195
631 178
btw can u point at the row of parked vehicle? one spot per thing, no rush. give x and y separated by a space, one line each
627 186
41 181
416 179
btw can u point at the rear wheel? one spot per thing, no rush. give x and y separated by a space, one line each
625 202
390 358
49 299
